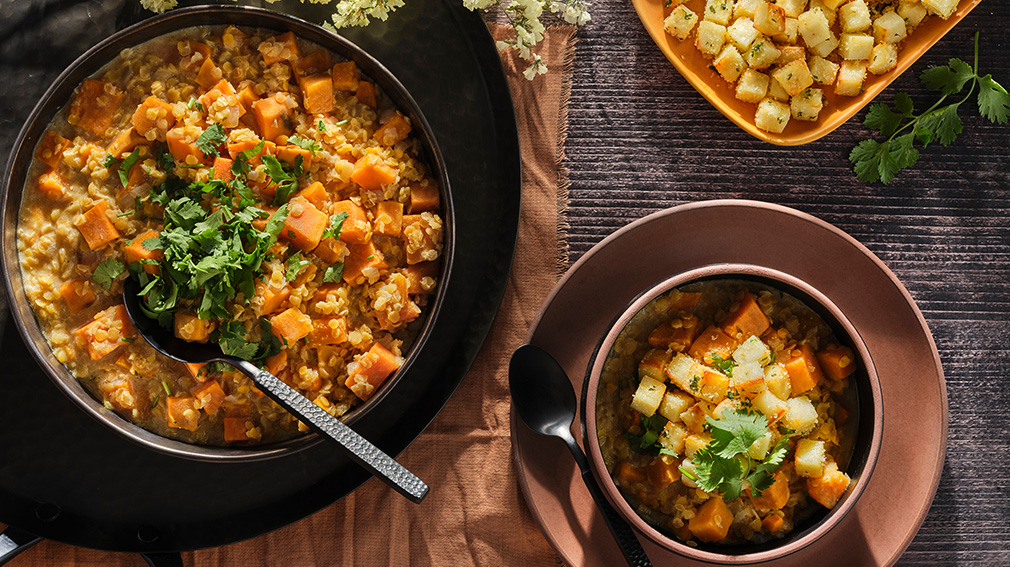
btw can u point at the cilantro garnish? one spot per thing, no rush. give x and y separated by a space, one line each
210 139
648 441
874 160
305 143
724 465
295 265
724 365
123 167
194 104
342 122
334 273
107 271
286 181
336 225
321 126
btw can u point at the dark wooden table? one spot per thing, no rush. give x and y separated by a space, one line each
641 139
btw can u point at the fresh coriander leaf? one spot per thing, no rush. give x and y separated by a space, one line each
903 151
231 337
866 158
725 366
945 123
735 431
295 265
993 100
109 161
107 271
305 143
334 273
762 478
165 160
210 139
127 165
336 225
883 119
321 126
904 104
948 79
287 182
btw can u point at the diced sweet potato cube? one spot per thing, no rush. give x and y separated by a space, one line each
94 106
211 396
772 523
193 54
51 147
290 325
775 496
77 294
277 362
235 430
246 98
330 250
304 225
399 309
198 370
803 369
290 154
653 364
315 193
123 144
222 169
629 473
52 185
837 362
238 147
328 331
182 412
208 75
746 320
393 131
119 392
366 94
355 228
136 251
423 198
96 227
273 119
280 48
677 334
712 342
678 301
317 93
421 278
180 145
372 173
189 327
370 370
107 331
422 237
712 521
388 219
345 76
662 473
828 488
220 89
362 257
312 63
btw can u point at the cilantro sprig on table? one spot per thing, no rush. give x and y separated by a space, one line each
875 160
725 464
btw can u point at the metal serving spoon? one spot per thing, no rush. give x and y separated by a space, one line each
357 447
545 400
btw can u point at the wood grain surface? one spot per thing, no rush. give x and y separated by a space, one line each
641 139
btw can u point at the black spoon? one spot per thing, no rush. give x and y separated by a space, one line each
545 400
357 447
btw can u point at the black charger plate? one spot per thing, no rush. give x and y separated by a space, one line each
68 478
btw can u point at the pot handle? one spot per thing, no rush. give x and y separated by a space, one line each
163 559
13 541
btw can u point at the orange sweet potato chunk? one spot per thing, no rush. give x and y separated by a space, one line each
189 327
235 429
775 496
280 48
271 298
107 331
290 155
712 521
193 54
423 198
421 238
77 294
372 173
328 331
222 169
677 334
421 278
366 94
837 362
304 225
149 113
393 131
329 250
315 193
317 93
95 105
712 342
211 396
52 185
182 413
311 63
290 325
198 370
828 488
276 362
345 76
136 251
803 369
96 227
662 473
359 258
746 320
388 219
273 119
180 146
355 228
370 370
772 523
629 473
51 148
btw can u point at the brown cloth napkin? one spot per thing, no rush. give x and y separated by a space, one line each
475 513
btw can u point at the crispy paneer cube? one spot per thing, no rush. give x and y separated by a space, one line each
801 416
752 86
710 38
807 105
790 34
680 22
810 458
742 33
648 396
770 19
850 78
823 71
719 11
794 77
855 46
889 28
855 17
762 53
675 402
746 8
825 48
883 58
912 11
942 8
729 64
814 27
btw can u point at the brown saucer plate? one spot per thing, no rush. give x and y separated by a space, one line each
583 304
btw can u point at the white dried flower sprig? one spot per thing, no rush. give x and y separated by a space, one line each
523 15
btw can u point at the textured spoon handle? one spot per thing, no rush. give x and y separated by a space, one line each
357 447
626 539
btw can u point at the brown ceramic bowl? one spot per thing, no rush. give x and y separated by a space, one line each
56 97
868 414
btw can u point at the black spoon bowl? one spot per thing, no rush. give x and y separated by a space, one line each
359 449
545 400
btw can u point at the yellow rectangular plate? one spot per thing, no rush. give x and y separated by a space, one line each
837 109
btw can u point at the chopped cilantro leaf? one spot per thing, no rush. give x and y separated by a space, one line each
194 104
334 273
210 139
107 271
305 143
724 365
321 126
295 265
336 225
